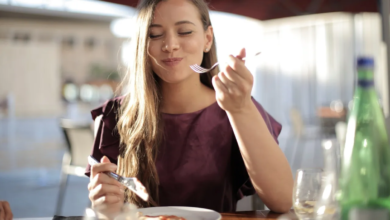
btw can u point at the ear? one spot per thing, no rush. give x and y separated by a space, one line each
209 36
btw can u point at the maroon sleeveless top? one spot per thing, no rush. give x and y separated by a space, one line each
199 163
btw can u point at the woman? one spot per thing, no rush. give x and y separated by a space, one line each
191 139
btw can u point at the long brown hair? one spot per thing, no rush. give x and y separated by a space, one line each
139 124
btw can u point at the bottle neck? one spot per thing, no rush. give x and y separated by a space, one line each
365 77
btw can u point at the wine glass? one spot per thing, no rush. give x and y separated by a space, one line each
307 189
327 206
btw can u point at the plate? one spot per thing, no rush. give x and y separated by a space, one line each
189 213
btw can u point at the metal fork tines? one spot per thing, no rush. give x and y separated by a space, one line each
200 69
127 181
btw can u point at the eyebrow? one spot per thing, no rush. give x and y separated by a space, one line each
177 23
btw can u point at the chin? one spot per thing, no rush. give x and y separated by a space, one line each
174 77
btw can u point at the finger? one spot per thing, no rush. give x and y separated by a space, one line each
106 189
107 199
242 86
233 75
102 178
227 82
241 54
239 67
235 63
105 160
7 211
102 167
219 86
99 189
2 214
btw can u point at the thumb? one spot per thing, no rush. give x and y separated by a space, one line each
241 54
105 160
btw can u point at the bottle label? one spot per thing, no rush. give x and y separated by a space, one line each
368 214
365 83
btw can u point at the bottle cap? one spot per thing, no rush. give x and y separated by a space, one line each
365 62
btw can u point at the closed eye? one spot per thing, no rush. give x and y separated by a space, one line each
185 33
154 36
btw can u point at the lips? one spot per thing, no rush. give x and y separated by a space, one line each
172 61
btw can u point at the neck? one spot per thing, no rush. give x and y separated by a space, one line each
187 96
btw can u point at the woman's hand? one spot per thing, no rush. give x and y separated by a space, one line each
104 190
5 211
233 85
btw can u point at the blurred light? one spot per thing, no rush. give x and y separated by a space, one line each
89 213
70 92
79 171
322 68
126 52
337 106
86 93
123 27
327 144
89 93
76 6
350 105
327 192
300 176
55 4
98 7
105 92
246 34
321 210
28 3
292 52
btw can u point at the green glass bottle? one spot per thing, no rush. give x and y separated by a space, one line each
365 173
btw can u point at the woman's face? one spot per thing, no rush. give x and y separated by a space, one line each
177 40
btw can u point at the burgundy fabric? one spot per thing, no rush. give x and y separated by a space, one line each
199 163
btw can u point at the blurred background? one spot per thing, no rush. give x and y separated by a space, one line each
61 58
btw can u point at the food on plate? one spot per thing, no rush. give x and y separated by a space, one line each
159 217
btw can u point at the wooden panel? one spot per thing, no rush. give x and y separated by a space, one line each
31 72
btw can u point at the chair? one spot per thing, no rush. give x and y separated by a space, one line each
79 139
299 132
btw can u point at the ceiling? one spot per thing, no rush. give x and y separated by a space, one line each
271 9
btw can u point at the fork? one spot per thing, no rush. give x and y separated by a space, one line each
200 69
129 182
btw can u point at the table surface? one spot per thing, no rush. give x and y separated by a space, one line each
247 215
263 215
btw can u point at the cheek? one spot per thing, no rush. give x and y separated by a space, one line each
193 45
195 48
153 49
153 53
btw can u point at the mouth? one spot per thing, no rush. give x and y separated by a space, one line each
172 61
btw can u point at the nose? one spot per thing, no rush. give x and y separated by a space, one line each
171 43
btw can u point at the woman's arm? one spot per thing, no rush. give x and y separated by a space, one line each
266 164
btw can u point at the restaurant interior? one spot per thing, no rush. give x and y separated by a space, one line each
60 59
